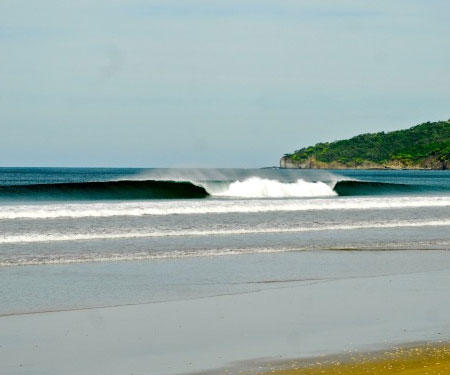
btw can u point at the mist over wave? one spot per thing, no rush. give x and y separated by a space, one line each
251 183
230 175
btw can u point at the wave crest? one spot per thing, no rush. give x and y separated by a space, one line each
251 187
105 190
256 187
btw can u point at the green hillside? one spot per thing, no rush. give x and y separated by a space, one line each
422 146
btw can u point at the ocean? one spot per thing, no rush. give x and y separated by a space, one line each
75 238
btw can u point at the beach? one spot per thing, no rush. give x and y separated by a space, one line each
224 187
269 269
233 332
420 358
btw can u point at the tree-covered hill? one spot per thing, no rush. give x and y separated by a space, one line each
422 146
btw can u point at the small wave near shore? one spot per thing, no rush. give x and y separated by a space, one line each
201 207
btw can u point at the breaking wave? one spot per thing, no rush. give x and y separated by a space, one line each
256 187
352 187
252 187
105 190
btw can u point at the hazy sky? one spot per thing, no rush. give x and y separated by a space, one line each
231 83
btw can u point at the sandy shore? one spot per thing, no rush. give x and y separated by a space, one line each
420 359
298 319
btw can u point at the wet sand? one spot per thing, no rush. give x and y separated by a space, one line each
213 335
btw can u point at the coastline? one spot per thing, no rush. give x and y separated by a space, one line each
417 358
287 163
366 168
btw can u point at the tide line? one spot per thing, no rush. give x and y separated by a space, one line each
60 237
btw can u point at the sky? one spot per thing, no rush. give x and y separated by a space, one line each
231 83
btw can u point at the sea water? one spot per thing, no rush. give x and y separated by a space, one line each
82 238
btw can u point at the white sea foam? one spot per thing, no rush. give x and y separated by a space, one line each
48 259
256 187
60 237
119 257
212 206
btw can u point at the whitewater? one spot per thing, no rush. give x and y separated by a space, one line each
189 207
58 237
256 187
75 215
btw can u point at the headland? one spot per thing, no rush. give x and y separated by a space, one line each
424 146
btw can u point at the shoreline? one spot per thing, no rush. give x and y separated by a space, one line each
407 359
414 358
365 168
206 335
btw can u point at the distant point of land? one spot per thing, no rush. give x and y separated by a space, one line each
424 146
